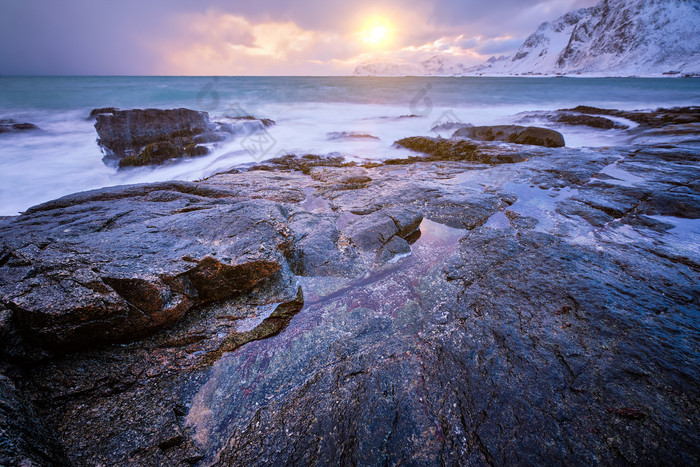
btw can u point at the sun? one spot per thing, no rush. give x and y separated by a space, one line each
376 32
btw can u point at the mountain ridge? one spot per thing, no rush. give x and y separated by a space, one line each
612 38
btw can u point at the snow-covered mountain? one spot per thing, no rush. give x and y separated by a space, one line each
381 68
613 38
435 65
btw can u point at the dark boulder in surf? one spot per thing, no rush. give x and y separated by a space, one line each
588 120
531 135
265 122
139 137
10 126
151 136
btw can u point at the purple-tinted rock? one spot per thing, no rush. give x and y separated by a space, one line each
513 134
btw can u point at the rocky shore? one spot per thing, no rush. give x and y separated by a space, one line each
478 304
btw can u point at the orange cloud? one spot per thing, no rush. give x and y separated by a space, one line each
219 43
216 43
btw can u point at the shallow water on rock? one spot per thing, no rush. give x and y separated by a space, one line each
338 325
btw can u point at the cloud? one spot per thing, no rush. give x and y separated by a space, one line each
496 17
498 45
214 43
236 37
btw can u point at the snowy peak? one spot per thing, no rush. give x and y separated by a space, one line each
615 37
435 66
379 68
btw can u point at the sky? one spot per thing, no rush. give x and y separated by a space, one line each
271 37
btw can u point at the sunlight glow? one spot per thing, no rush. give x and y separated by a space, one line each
377 32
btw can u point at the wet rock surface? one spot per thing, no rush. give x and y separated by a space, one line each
587 120
450 308
513 134
449 126
678 120
24 437
303 164
100 111
655 118
116 264
349 136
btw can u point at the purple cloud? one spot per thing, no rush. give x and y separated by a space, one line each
181 36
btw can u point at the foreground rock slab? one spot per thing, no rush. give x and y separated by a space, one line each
448 308
113 264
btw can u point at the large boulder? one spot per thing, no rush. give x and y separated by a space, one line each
151 136
513 134
125 129
140 137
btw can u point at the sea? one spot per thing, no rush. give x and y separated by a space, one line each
63 156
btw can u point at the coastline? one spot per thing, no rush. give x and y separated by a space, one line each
555 286
63 156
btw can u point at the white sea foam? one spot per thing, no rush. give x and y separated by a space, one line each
63 157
